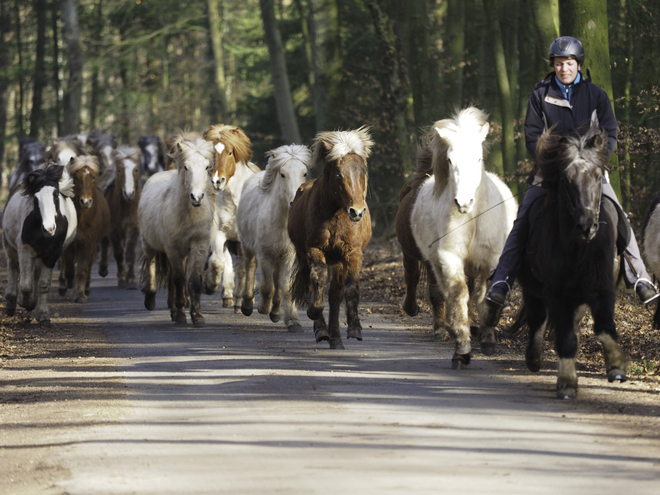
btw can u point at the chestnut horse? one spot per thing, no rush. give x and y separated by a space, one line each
330 226
123 196
93 225
232 169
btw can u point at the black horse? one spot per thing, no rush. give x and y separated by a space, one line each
568 256
30 156
153 157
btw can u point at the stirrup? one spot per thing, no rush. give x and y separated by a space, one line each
654 296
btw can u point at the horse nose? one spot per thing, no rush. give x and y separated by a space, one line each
49 231
196 201
464 208
355 215
86 202
129 196
218 184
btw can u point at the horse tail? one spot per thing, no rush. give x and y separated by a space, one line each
519 322
299 282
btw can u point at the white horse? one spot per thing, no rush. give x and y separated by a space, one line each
176 214
232 168
37 225
262 218
455 228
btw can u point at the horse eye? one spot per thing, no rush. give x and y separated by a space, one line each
282 175
230 153
305 174
186 167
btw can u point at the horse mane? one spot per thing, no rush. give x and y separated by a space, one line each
58 144
234 137
50 175
469 120
177 137
124 152
66 183
186 149
555 152
334 145
96 140
279 157
90 161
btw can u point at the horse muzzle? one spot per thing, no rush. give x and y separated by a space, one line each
49 231
219 184
356 215
196 201
86 203
129 196
464 207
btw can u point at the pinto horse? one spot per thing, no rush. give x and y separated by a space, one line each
93 225
123 196
262 219
176 214
460 222
232 168
569 254
330 226
37 225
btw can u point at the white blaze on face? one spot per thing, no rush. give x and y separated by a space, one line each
107 151
152 149
46 200
65 157
219 148
197 176
129 182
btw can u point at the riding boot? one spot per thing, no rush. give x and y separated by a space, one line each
495 299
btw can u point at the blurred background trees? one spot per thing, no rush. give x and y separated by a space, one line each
285 69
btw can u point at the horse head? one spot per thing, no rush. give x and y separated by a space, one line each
43 186
573 167
103 146
232 146
345 154
84 170
464 137
287 169
126 160
63 150
194 161
31 154
152 160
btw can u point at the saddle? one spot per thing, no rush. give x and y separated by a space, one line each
530 224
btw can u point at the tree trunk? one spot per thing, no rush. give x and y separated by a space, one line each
420 76
19 103
55 10
286 114
5 63
456 53
505 93
587 21
73 95
216 21
94 94
546 22
36 116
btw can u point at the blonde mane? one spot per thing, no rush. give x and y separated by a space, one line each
186 149
279 157
175 138
333 145
66 184
80 162
232 136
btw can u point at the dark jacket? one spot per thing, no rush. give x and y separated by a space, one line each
548 107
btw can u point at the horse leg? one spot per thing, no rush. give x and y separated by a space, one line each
215 264
291 319
194 269
41 312
84 258
411 273
228 283
240 278
321 329
66 260
249 265
351 289
103 263
605 329
537 316
562 315
13 270
118 252
132 234
266 286
486 333
26 279
335 296
177 293
149 277
318 277
457 297
437 300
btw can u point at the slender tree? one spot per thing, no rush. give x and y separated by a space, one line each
39 77
5 62
216 20
73 94
286 114
456 53
19 103
420 74
55 11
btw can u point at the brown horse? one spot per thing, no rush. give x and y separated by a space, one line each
123 196
412 257
93 225
330 226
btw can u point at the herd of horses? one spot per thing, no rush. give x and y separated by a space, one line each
201 200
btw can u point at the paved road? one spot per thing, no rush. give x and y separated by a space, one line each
243 407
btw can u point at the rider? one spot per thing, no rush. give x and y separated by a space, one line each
567 100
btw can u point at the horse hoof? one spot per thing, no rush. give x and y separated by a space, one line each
121 283
150 301
237 310
460 361
198 321
487 348
314 313
87 291
321 334
246 310
180 319
354 333
566 393
411 310
274 317
534 363
209 290
227 302
103 271
296 328
337 344
45 323
10 311
61 291
80 299
131 285
616 375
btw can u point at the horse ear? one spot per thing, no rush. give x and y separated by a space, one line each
443 133
484 131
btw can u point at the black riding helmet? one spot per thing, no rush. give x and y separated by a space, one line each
567 46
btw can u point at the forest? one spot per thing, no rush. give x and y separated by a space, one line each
285 69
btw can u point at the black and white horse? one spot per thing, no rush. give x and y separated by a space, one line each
153 158
37 225
30 156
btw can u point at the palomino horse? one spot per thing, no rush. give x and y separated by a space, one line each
569 255
152 158
30 156
412 257
63 149
456 226
37 225
123 196
93 225
232 169
176 214
262 218
330 226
